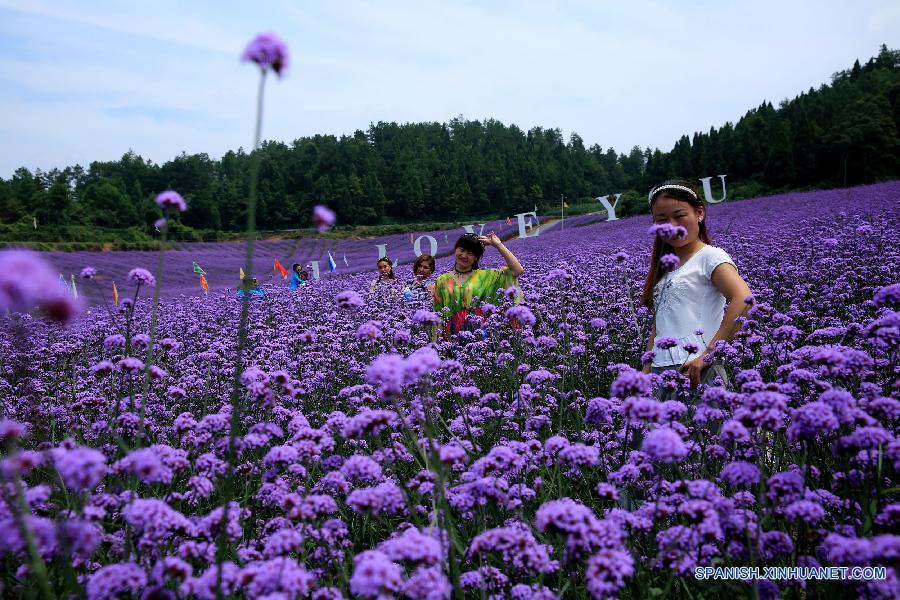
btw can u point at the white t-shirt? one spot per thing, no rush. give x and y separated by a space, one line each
685 301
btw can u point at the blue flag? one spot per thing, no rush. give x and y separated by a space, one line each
332 266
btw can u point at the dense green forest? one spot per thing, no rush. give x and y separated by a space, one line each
843 133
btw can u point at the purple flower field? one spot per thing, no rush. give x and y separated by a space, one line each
525 463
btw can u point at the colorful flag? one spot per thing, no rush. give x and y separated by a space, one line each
115 295
280 269
74 289
241 270
203 284
332 266
197 269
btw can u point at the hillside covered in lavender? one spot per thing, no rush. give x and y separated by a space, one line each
531 462
222 260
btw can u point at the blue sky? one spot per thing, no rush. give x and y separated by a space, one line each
84 81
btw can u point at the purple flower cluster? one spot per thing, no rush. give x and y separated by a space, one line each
81 469
269 52
664 445
141 277
668 231
323 218
171 199
27 282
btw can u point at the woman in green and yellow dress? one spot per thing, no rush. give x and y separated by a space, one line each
462 290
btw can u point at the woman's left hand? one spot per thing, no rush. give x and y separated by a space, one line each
491 239
694 370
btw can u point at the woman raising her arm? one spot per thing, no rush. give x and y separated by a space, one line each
460 292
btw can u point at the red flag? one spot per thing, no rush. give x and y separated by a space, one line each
203 284
280 269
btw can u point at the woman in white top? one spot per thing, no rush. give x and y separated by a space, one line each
693 288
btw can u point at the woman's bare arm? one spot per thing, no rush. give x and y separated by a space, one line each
646 368
736 291
492 239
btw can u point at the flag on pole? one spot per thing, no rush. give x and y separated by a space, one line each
345 261
197 269
74 289
203 284
332 266
280 269
241 270
115 295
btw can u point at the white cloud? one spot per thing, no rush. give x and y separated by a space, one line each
88 81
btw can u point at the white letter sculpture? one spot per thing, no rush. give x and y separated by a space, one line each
522 224
471 228
382 253
432 245
707 190
315 269
610 207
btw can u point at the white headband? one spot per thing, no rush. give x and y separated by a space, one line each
671 186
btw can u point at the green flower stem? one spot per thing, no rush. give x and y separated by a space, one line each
154 312
236 394
36 563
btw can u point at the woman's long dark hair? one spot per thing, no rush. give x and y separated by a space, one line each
390 274
469 242
660 246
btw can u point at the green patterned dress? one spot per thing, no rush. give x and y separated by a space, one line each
464 299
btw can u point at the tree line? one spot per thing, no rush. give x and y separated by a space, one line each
843 133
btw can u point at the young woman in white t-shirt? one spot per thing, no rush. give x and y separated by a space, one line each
695 299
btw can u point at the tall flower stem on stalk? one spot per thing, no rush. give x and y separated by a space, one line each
145 390
443 518
20 514
269 52
236 393
236 403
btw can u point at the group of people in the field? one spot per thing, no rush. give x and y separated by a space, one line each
299 278
458 294
692 287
